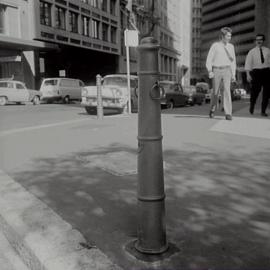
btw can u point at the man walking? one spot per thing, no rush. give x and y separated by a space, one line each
257 67
221 66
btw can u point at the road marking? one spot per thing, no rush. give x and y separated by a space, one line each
258 128
18 130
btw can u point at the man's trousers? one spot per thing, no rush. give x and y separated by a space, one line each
260 79
222 75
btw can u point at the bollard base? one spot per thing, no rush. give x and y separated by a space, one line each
151 251
170 250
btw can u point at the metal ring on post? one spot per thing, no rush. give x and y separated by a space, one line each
162 91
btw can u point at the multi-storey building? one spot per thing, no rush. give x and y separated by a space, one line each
77 38
196 68
81 38
167 33
245 17
183 29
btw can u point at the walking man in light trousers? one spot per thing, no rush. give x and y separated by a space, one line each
221 66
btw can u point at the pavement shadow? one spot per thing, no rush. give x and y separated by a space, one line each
217 205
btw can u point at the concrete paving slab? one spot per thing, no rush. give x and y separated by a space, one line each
258 128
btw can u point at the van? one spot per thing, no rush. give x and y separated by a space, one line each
61 89
114 93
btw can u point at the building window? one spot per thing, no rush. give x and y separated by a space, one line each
73 22
60 18
45 13
104 5
85 26
113 7
113 34
94 26
94 3
105 31
2 19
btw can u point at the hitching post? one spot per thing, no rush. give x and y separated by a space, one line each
99 98
151 195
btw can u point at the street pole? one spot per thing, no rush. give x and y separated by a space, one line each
99 98
151 195
128 73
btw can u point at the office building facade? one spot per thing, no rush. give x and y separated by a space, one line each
196 67
58 37
245 17
166 32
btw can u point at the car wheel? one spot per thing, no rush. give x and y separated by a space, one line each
3 101
170 104
66 99
36 100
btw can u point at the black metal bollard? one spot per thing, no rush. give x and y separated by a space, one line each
99 98
151 195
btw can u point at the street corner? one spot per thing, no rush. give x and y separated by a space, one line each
41 237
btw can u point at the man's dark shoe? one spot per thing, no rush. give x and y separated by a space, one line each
251 110
264 114
228 117
211 114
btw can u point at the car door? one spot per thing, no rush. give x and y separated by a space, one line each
22 94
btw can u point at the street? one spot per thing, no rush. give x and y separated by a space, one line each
84 169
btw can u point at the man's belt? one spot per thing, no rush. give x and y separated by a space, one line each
221 67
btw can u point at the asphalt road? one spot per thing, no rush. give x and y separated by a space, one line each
22 116
28 131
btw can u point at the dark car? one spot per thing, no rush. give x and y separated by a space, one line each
173 94
195 95
204 88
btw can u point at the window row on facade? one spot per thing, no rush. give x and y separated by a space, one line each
104 5
76 23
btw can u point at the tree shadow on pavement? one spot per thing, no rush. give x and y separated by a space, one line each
217 206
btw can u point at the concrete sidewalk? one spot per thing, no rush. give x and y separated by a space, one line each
217 198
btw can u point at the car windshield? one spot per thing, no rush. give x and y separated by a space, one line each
204 87
6 84
119 81
50 82
169 87
189 89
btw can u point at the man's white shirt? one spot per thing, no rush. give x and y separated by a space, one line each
217 56
253 59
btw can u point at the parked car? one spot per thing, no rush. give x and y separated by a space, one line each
195 95
235 94
114 93
61 89
242 92
204 88
16 92
173 94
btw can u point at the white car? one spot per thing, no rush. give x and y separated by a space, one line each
114 93
16 92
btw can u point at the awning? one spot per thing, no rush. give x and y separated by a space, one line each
19 44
